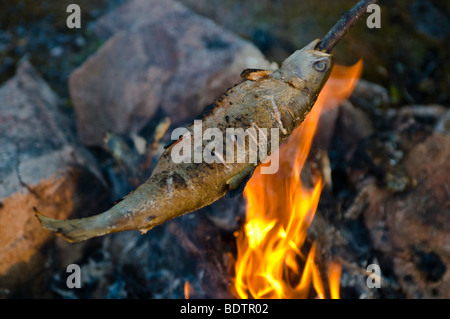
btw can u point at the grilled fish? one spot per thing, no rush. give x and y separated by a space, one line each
278 99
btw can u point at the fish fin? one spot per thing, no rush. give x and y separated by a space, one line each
73 230
254 74
237 183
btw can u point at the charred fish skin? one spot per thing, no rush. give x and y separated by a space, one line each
265 99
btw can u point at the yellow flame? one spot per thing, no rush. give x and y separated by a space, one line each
280 209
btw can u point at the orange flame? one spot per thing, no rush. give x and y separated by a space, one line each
334 277
187 289
280 210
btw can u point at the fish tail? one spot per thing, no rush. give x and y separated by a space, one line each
74 230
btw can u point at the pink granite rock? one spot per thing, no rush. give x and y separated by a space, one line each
41 166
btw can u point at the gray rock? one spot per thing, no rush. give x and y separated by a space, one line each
412 229
443 125
159 54
430 20
40 166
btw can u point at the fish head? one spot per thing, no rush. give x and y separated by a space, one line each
307 68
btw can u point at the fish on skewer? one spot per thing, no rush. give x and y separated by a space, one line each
279 99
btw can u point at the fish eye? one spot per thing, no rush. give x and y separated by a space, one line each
320 66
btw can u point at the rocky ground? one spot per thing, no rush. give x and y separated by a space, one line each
155 65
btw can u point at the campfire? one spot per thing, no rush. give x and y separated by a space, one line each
90 118
280 209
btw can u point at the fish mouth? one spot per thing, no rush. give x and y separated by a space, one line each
311 46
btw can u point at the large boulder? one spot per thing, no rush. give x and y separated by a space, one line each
158 54
411 229
40 166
